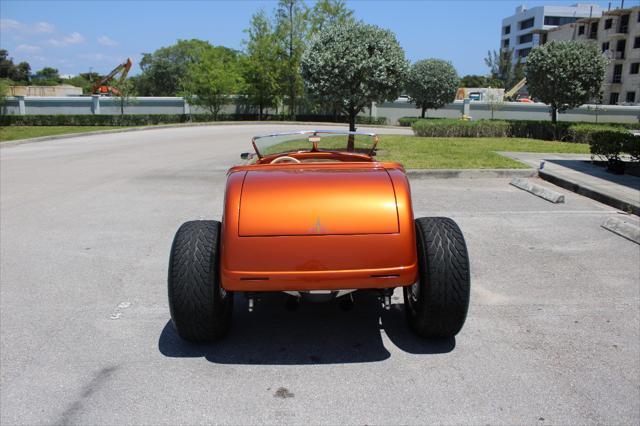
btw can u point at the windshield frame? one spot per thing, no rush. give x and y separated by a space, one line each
314 147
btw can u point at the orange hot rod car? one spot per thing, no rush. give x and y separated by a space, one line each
316 216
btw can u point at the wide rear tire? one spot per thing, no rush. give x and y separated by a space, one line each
436 306
200 308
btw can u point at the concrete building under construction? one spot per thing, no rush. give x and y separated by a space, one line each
617 33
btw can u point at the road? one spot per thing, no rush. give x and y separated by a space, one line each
552 336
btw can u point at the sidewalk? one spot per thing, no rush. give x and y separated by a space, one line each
574 172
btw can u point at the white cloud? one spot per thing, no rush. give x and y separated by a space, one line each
44 27
73 38
17 27
28 48
106 41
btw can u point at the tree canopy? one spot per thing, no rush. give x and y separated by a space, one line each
565 74
164 70
503 69
432 83
213 78
19 73
353 64
260 65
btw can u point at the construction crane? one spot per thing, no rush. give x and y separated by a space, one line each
102 88
519 85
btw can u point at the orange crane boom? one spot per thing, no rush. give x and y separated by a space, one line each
101 87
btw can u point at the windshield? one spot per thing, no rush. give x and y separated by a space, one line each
320 140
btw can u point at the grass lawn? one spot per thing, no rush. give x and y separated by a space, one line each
465 153
445 153
11 133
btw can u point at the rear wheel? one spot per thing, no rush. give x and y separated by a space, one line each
200 308
436 305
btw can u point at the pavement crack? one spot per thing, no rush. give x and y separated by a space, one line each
98 381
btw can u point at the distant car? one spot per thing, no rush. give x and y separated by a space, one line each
316 216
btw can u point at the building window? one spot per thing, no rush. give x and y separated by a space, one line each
505 43
605 46
506 30
527 23
620 48
608 23
593 33
525 38
613 98
623 27
581 30
617 73
636 43
631 97
522 53
559 20
635 68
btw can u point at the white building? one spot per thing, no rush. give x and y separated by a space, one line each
520 31
617 34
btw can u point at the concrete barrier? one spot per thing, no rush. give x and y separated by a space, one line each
43 105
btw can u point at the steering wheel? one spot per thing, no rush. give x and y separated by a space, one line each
285 158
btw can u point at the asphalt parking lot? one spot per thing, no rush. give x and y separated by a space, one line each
552 336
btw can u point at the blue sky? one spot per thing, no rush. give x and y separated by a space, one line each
75 36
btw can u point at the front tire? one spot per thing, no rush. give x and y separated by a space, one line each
200 308
436 306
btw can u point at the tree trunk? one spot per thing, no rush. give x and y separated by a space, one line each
554 114
424 109
352 128
292 90
260 113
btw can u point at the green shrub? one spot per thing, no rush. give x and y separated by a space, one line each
582 133
608 143
545 130
407 121
631 145
459 128
360 119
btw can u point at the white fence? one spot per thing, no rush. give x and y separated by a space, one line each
391 110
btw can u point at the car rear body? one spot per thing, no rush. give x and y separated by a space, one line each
317 226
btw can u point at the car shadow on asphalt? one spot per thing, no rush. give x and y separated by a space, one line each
315 333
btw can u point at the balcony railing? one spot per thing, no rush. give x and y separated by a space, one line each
618 54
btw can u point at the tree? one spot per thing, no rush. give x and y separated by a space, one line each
503 69
165 69
432 83
494 100
565 74
210 82
328 12
260 65
47 76
123 91
291 32
8 70
353 64
472 80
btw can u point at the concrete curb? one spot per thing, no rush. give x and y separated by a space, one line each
173 126
590 192
469 173
540 191
628 230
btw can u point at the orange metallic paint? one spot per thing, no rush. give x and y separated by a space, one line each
271 239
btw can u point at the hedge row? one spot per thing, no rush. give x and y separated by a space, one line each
611 143
564 131
147 119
